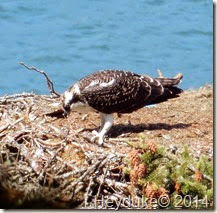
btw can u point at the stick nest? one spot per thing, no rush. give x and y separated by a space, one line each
47 165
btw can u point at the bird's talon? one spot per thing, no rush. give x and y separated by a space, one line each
93 139
97 138
100 141
94 132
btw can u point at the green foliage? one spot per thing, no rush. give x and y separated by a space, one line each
126 170
193 188
147 158
205 166
187 180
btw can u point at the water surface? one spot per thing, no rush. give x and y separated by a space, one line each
70 39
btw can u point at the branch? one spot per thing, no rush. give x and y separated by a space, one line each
88 191
203 175
101 183
49 82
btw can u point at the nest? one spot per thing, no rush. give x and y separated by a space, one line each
45 163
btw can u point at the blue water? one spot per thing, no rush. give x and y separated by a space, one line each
70 39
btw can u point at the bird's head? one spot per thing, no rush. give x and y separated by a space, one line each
70 97
67 98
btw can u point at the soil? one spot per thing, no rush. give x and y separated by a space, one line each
183 121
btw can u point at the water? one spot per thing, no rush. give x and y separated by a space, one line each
70 39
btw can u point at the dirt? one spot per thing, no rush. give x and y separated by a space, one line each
183 121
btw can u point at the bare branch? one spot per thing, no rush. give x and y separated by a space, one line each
49 82
102 181
88 191
15 96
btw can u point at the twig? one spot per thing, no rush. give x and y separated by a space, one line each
10 125
91 169
60 159
57 130
68 174
3 128
49 82
116 184
203 175
22 95
87 194
84 117
101 183
82 148
123 139
72 185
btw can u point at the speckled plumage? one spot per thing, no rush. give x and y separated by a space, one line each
127 92
118 91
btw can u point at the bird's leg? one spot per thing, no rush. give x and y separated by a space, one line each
101 124
106 124
102 116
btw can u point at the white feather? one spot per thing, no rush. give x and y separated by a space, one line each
93 83
104 84
68 97
76 89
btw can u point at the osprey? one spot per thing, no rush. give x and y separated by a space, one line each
117 91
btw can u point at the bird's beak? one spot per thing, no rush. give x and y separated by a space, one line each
65 107
66 110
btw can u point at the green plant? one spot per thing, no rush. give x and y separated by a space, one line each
186 180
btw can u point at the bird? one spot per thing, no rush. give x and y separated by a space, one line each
117 91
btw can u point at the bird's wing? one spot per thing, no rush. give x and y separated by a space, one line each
120 93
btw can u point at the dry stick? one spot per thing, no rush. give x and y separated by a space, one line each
87 194
82 148
10 125
49 82
101 183
117 185
50 143
60 159
23 95
68 174
203 175
3 128
43 172
91 169
123 139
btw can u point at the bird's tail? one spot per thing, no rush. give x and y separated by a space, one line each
169 82
170 88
